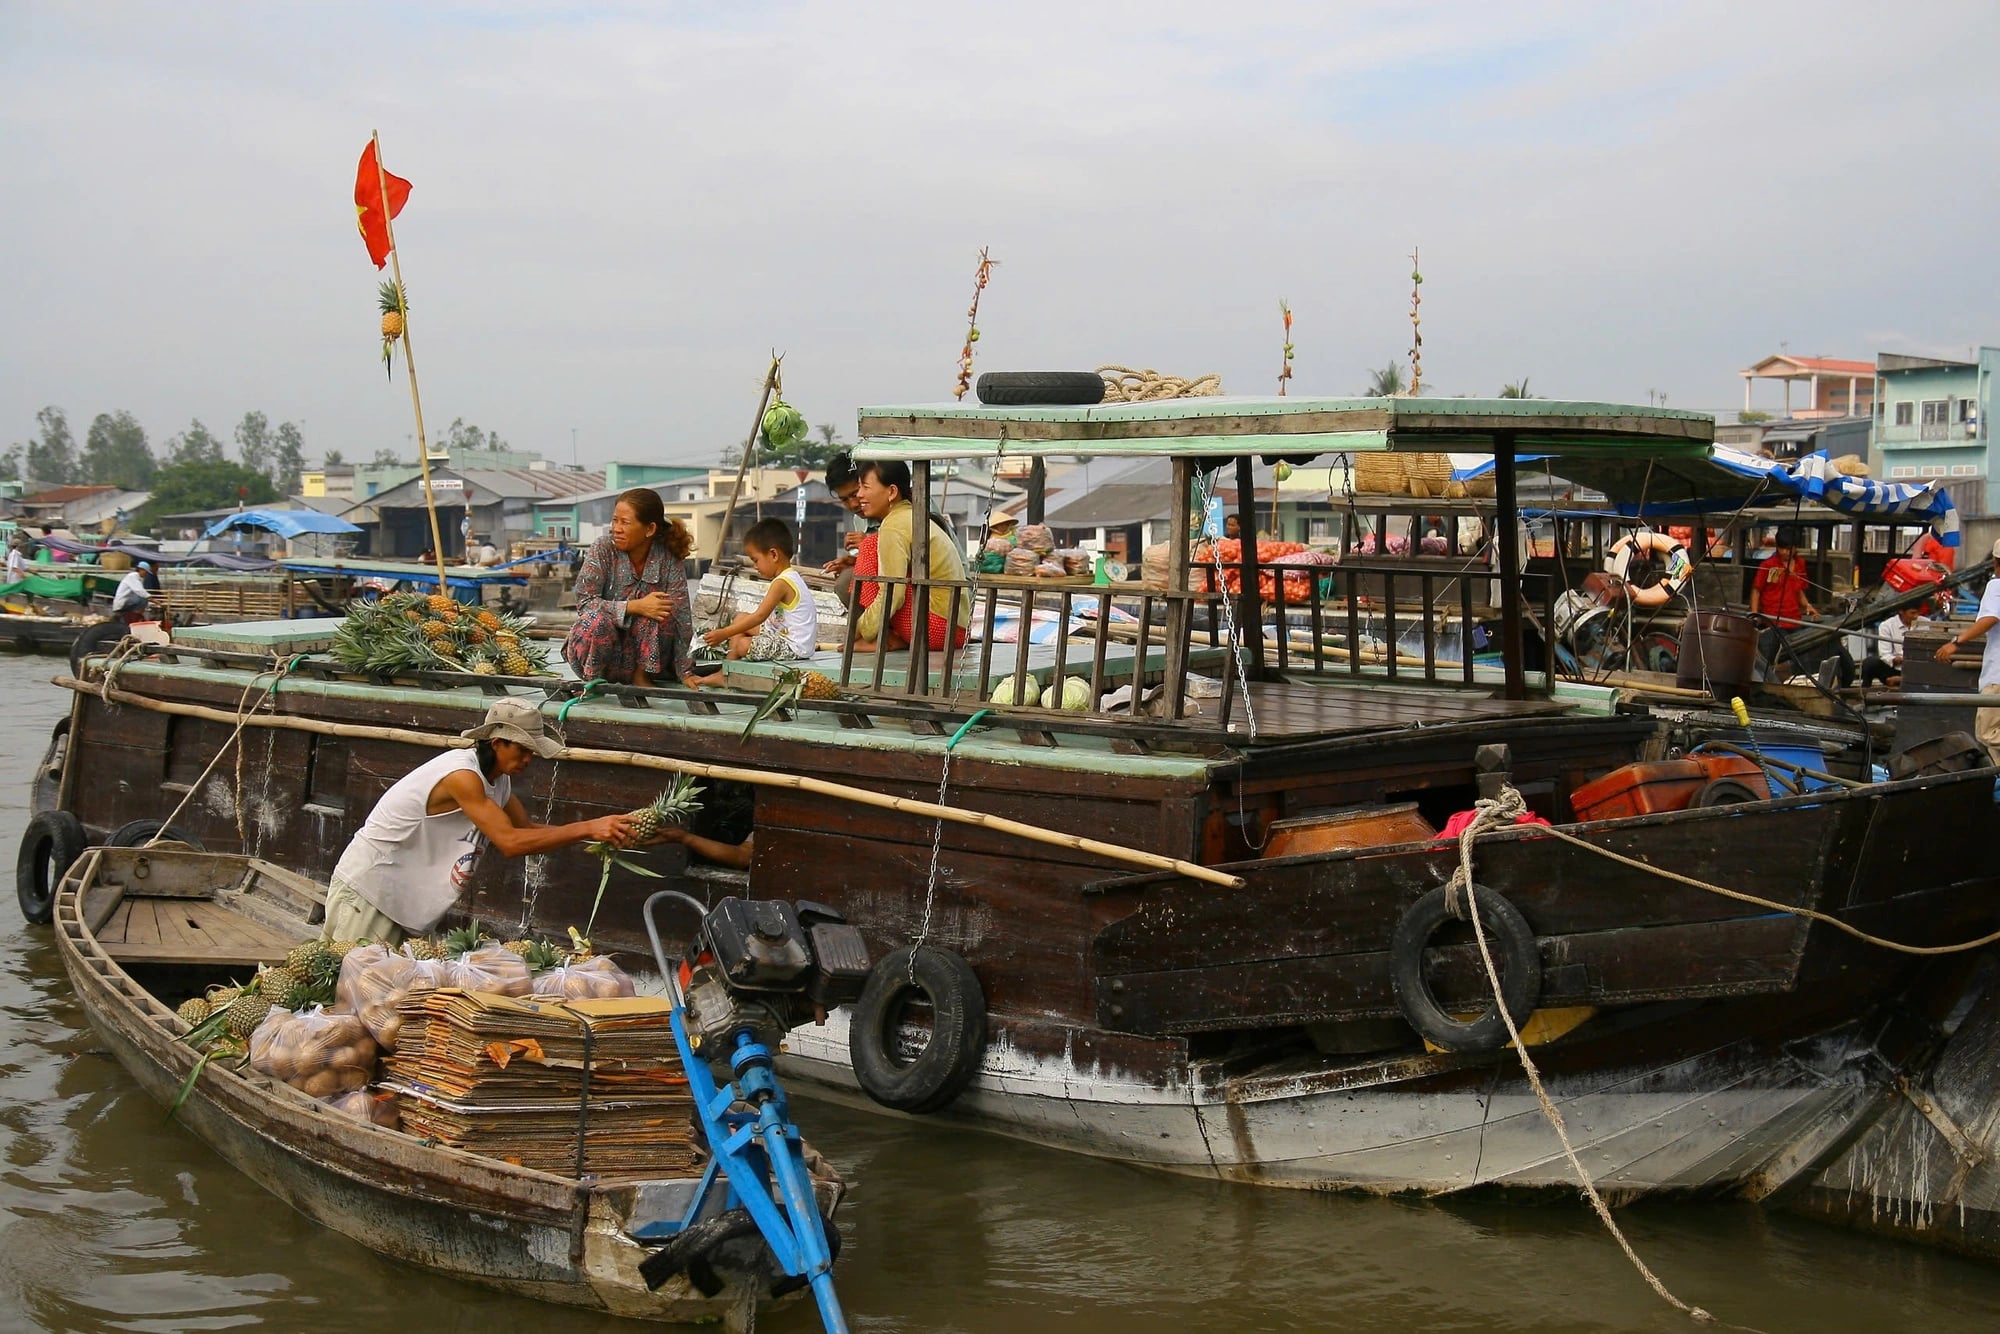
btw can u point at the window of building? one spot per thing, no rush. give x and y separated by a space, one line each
1902 472
1317 530
1937 418
1965 470
1906 414
1965 410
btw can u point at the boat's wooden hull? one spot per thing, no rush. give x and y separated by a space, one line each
1166 1021
448 1211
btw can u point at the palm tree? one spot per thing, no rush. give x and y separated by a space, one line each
1516 390
1387 382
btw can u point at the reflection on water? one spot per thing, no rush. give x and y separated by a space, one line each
112 1219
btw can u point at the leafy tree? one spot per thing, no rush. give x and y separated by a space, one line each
253 442
115 453
459 438
194 445
386 458
10 461
288 459
51 456
1387 382
1516 390
334 458
204 484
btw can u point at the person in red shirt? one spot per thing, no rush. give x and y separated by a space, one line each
1778 594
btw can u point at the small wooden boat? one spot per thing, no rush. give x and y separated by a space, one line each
138 929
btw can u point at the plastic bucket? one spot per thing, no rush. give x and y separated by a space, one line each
1718 652
1807 757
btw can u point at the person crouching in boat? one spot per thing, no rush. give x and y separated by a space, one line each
884 496
634 621
413 856
785 626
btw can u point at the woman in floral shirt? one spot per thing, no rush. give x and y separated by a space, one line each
634 622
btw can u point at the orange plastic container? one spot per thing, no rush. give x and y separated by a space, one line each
1645 788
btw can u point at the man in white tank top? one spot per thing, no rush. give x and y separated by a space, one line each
412 858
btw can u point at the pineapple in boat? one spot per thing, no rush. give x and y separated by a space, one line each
674 801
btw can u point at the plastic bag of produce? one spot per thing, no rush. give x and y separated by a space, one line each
314 1051
364 1105
373 982
588 979
490 968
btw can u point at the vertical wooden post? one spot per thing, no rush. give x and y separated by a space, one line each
1509 518
917 678
410 361
1249 607
1180 610
1038 485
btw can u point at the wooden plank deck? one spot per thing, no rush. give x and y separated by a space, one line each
1288 708
188 931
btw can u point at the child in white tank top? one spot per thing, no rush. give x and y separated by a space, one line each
785 626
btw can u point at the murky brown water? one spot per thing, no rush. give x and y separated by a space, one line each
111 1219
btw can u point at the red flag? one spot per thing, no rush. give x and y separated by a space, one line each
369 214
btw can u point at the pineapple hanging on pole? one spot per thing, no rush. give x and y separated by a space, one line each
395 306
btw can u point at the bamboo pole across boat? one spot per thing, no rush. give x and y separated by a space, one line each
731 773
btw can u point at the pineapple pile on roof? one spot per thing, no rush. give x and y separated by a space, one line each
411 631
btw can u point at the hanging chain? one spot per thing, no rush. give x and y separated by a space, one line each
1228 607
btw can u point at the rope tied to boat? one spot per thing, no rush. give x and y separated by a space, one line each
1489 813
244 711
1500 812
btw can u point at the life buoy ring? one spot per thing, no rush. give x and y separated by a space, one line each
1673 556
52 841
939 1072
1516 955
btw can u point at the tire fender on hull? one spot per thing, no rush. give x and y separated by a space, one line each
138 833
1515 954
52 841
928 1081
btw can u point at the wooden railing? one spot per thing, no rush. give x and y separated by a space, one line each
1324 628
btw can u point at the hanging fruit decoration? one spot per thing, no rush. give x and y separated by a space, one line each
1285 371
395 307
784 426
1281 470
979 281
1416 329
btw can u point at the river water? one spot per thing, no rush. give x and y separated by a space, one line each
112 1219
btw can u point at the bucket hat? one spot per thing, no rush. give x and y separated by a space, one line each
517 721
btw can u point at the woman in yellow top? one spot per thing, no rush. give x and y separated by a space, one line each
885 498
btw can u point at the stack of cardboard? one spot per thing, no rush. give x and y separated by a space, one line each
505 1077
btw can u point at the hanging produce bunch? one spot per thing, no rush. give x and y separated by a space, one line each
411 631
784 426
395 307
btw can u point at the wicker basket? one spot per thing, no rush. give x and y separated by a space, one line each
1482 488
1380 474
1429 474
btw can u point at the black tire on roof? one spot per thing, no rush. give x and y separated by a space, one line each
1040 388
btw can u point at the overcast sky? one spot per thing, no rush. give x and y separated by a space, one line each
620 209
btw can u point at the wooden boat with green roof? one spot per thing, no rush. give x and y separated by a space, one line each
1197 923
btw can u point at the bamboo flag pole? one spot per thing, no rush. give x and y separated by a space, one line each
410 362
1152 861
749 448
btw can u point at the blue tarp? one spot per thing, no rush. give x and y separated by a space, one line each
285 523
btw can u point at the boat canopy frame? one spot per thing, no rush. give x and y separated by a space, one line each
1204 433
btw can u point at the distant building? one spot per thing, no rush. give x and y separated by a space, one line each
1832 387
1932 424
